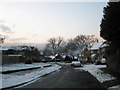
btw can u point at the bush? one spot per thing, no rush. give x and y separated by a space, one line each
113 62
29 61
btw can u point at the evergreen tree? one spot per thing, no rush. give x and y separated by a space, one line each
110 25
110 31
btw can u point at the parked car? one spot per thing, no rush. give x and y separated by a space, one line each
103 61
76 63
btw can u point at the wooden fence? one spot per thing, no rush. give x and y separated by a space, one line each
12 59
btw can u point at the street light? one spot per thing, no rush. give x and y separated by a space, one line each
2 38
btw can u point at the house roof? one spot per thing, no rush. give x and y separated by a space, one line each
15 55
104 45
3 48
96 46
7 48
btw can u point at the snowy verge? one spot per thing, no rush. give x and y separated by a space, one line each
13 67
114 87
96 72
100 75
10 80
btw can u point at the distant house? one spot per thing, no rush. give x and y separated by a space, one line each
86 52
10 51
95 48
102 48
59 57
10 56
97 51
85 55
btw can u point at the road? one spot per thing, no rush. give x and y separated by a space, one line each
67 77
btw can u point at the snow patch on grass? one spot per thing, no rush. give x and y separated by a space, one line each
117 87
20 66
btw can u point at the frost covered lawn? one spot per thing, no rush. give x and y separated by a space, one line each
13 79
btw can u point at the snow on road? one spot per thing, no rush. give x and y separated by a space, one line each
96 72
9 80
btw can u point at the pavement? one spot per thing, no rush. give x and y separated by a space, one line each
23 69
67 77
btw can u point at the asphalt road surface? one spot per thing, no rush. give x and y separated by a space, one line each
67 77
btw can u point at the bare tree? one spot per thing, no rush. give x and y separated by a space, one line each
55 43
84 41
90 40
52 41
58 45
71 46
47 50
59 41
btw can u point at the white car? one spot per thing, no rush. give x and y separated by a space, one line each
76 63
103 60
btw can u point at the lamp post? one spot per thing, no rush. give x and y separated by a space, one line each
2 38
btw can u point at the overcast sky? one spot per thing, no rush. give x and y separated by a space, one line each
36 22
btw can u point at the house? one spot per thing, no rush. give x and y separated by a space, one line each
97 51
10 56
95 48
85 55
102 49
86 52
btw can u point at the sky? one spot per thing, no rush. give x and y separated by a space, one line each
36 22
